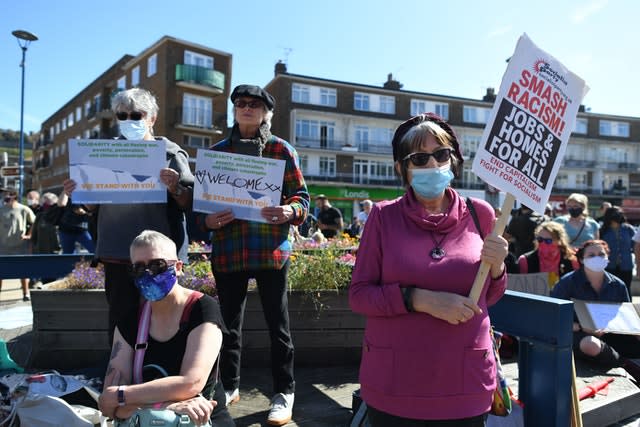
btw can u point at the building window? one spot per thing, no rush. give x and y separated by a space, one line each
478 115
304 162
78 113
328 97
300 93
314 133
581 126
419 106
152 65
135 76
87 108
70 119
470 144
361 102
327 166
122 83
387 104
197 111
86 134
57 128
197 59
63 124
610 128
97 103
51 133
361 137
196 141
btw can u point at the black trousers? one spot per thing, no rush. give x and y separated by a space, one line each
122 295
382 419
232 294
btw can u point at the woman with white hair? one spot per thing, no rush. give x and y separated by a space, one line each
242 250
183 343
136 111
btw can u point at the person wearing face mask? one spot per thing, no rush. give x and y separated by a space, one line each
619 236
552 253
417 261
579 226
136 111
184 336
591 282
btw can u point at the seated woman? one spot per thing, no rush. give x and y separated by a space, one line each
592 283
552 253
184 338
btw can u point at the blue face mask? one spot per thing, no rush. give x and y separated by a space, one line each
133 129
154 288
431 182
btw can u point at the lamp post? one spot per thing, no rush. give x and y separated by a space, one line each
24 38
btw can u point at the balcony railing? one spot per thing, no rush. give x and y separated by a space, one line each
200 75
339 145
353 179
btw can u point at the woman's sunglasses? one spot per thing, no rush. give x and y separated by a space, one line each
545 240
251 104
154 266
134 115
421 159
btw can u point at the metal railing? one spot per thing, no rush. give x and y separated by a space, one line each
200 75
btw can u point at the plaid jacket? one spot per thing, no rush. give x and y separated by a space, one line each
248 245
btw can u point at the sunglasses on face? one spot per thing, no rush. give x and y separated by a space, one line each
421 159
154 266
251 104
544 240
134 115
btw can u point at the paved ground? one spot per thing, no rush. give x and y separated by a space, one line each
324 394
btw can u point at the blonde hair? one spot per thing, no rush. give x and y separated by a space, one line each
156 240
579 198
560 234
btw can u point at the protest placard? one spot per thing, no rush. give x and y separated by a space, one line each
524 141
533 116
611 317
117 171
244 184
531 283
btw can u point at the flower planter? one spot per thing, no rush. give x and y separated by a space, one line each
70 328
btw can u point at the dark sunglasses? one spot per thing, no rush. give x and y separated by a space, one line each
134 115
251 104
421 159
542 239
154 266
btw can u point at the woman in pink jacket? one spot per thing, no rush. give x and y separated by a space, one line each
427 353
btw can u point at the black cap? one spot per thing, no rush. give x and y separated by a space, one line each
254 92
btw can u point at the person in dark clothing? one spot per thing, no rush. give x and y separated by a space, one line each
619 236
521 229
74 226
329 218
592 283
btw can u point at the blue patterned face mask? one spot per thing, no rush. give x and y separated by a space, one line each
431 182
155 288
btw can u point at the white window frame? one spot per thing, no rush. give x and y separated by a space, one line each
152 65
198 59
581 126
204 141
327 166
199 113
301 93
70 119
135 76
387 104
468 117
361 101
87 108
122 83
419 106
78 114
613 128
328 97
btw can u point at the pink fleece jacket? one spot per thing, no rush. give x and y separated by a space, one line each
413 364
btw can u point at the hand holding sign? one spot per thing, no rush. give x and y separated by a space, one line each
525 139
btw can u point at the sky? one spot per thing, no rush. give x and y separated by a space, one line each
454 48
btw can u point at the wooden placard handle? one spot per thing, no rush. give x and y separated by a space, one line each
483 271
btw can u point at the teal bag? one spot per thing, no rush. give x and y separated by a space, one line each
157 417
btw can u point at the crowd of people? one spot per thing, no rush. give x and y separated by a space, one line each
416 262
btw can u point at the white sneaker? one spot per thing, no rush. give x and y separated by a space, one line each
281 409
231 396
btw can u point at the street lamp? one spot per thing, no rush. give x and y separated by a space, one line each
24 38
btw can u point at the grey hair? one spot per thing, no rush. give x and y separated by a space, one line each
135 99
412 141
156 240
268 115
50 197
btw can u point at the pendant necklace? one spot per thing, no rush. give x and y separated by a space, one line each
437 252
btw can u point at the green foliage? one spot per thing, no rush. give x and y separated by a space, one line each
317 270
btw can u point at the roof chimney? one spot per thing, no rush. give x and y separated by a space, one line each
490 95
392 84
281 68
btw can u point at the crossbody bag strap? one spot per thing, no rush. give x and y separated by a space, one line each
141 341
474 215
579 232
